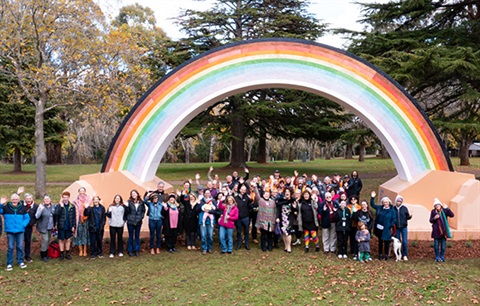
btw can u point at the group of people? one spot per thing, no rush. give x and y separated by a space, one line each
291 208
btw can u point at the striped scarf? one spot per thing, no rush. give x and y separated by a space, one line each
443 219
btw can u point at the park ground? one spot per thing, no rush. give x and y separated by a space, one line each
245 277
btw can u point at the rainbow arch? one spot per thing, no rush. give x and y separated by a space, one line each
407 133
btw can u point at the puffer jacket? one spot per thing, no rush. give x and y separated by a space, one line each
96 221
135 216
16 218
60 216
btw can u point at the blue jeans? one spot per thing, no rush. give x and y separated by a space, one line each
133 245
402 235
155 227
15 240
206 233
440 244
226 239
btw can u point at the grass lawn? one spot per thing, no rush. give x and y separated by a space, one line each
243 278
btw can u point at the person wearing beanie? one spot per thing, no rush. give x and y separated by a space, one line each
401 233
385 220
440 228
154 221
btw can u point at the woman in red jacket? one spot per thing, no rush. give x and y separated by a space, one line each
227 223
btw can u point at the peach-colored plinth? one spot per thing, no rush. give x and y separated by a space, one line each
460 191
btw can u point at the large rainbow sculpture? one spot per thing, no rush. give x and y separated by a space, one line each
407 133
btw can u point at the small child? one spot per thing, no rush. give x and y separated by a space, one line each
206 208
363 238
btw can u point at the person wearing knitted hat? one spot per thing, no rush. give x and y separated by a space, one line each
385 220
171 222
401 233
440 228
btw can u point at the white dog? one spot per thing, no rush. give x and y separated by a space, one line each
397 247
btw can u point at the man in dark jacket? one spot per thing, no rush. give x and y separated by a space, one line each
244 206
65 217
31 209
401 233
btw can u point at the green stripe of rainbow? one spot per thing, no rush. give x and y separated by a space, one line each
168 106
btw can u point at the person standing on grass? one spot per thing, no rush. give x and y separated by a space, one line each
31 209
97 219
286 209
354 186
227 219
16 220
308 220
242 224
266 218
171 218
155 208
385 220
363 239
353 206
207 205
401 232
343 219
65 223
190 219
440 228
329 235
135 213
81 236
44 216
117 214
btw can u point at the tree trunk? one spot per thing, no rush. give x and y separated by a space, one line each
384 152
262 149
291 152
17 160
54 153
237 158
361 153
464 153
313 150
328 151
40 154
349 150
211 151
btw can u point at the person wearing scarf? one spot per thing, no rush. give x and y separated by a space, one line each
226 221
266 218
31 209
440 228
171 215
81 236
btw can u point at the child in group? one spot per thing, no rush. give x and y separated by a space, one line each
206 215
363 238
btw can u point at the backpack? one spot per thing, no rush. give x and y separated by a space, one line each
53 250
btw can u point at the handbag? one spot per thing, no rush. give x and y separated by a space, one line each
278 231
53 250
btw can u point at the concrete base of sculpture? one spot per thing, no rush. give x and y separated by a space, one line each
107 185
460 191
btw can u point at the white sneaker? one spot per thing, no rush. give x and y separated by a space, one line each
9 268
111 256
22 265
297 242
340 256
405 258
120 254
345 256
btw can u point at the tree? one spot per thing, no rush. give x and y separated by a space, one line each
236 20
50 46
432 48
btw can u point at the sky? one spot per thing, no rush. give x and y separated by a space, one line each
337 13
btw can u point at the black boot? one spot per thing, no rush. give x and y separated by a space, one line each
62 256
307 249
44 256
239 245
67 256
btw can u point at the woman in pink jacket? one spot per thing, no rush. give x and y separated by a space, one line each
227 223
